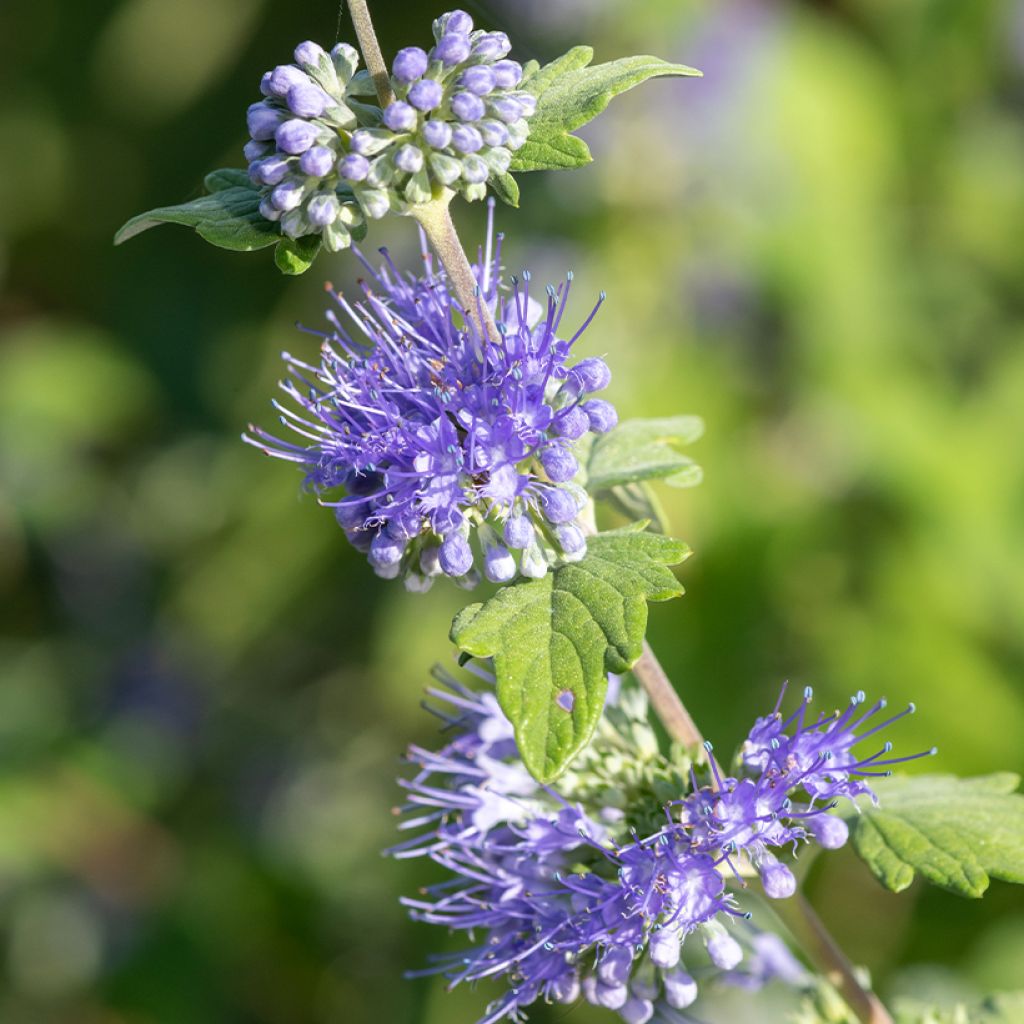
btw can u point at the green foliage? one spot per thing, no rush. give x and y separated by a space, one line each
1004 1008
956 832
640 450
228 216
296 255
554 640
569 94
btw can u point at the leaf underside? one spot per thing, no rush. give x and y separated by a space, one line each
957 833
570 92
554 640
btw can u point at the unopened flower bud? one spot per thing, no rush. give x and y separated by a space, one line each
437 133
725 952
287 195
831 832
456 557
296 136
559 463
285 77
475 170
410 64
263 121
451 49
466 139
399 116
307 100
601 415
494 133
426 94
557 505
354 167
317 161
636 1011
479 79
572 423
491 46
409 159
680 989
467 106
322 210
507 74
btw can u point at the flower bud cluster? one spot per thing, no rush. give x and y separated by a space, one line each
299 134
453 452
325 157
457 118
597 886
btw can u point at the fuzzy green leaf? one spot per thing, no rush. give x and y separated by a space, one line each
956 832
569 94
639 450
228 217
227 177
506 188
554 639
296 255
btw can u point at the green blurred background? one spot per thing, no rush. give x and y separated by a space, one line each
819 247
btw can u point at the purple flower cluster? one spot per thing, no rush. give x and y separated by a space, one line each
457 118
324 159
298 145
565 899
435 433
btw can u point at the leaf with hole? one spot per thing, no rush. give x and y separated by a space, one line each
554 640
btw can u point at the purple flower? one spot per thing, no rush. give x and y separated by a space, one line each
562 904
430 430
354 167
466 139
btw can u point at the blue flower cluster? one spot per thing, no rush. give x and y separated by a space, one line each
566 898
436 434
324 159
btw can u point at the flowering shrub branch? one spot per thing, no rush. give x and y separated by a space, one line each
456 428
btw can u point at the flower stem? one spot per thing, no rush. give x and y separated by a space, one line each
436 220
824 953
666 702
374 59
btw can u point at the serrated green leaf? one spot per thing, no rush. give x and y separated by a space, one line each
556 638
569 94
639 450
955 832
506 188
229 218
296 255
227 177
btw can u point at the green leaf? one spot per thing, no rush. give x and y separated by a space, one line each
506 188
645 450
227 177
956 832
569 94
296 255
554 639
228 217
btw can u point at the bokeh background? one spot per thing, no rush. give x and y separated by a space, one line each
204 694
